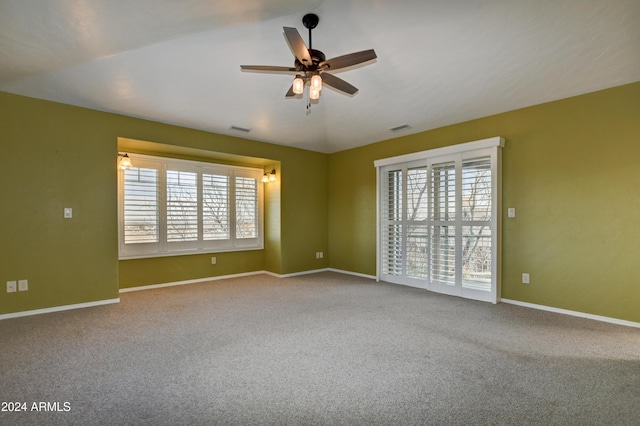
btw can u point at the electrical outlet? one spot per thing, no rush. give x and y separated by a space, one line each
214 261
525 278
68 213
11 286
23 285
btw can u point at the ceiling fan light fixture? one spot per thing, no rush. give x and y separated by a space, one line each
316 82
298 85
314 93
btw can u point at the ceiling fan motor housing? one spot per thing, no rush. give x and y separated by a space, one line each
316 58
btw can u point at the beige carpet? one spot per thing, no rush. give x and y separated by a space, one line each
318 349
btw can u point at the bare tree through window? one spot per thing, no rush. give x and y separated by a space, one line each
246 207
476 212
215 209
427 246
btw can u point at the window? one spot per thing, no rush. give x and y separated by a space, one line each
438 217
168 207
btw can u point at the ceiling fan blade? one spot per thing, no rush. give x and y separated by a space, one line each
298 46
267 68
348 60
290 93
338 83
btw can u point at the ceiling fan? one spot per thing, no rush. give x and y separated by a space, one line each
311 65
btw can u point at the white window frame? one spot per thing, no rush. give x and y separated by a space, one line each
166 248
460 152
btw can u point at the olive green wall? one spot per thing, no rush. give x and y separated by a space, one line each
55 156
51 157
570 168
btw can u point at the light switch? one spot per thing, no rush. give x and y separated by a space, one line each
511 212
68 212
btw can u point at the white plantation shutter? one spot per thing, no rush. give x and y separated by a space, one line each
169 206
476 189
476 223
476 257
215 209
443 192
392 230
443 254
141 206
443 215
438 219
182 206
392 250
417 238
246 207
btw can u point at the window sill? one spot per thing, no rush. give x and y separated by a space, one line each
187 253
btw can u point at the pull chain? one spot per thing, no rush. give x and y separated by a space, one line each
308 95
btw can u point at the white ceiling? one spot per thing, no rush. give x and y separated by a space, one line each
439 62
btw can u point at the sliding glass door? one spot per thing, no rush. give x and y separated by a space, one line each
438 217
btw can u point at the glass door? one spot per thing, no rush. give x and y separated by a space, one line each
444 226
438 224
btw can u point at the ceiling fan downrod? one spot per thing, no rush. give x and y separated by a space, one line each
310 21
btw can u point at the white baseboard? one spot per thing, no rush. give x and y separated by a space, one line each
296 274
196 281
59 308
356 274
315 271
246 274
171 284
572 313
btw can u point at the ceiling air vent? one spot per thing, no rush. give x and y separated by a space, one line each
400 128
240 129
